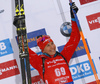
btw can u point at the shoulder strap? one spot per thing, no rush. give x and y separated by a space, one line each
43 61
63 58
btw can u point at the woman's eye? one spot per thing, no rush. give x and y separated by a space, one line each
52 43
48 45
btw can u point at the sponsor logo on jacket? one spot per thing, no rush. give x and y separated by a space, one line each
55 61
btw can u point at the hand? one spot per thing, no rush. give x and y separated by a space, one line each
74 7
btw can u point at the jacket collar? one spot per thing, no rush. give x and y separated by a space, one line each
47 55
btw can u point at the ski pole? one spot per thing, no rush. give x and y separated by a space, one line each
85 45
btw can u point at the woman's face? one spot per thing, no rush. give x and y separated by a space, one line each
50 48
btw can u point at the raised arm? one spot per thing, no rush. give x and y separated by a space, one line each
71 45
35 60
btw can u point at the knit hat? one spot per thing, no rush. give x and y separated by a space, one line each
43 41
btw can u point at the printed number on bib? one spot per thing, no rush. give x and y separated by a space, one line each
60 71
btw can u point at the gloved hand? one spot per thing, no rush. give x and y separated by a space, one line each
74 7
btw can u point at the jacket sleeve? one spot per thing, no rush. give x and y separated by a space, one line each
71 45
35 60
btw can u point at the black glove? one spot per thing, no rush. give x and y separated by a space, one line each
74 7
